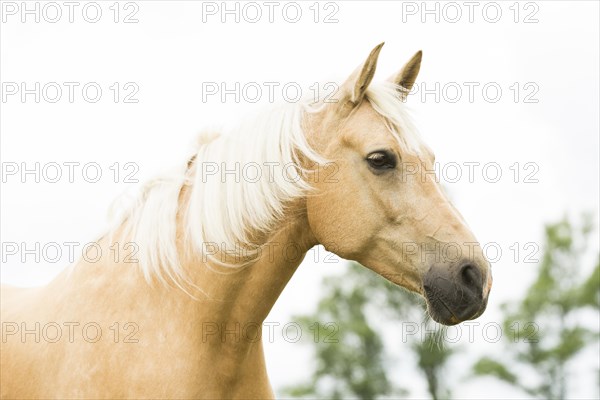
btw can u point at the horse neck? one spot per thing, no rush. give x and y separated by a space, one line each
247 294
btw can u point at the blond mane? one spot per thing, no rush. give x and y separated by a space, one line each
227 204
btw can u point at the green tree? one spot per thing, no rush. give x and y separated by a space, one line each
350 354
544 330
432 358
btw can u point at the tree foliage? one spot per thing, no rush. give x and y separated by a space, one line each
351 363
544 331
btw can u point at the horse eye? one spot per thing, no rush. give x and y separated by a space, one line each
381 160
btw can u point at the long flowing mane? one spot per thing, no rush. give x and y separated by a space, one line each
239 183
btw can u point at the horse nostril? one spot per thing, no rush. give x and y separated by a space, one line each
454 294
471 277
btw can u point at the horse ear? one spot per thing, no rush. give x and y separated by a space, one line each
408 74
356 85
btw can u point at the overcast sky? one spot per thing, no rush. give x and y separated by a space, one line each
500 84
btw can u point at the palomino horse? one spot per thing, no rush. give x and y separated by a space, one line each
213 252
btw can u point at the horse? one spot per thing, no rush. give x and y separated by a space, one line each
182 317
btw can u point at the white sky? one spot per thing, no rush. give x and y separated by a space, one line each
170 52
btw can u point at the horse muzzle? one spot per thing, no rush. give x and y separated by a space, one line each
455 294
